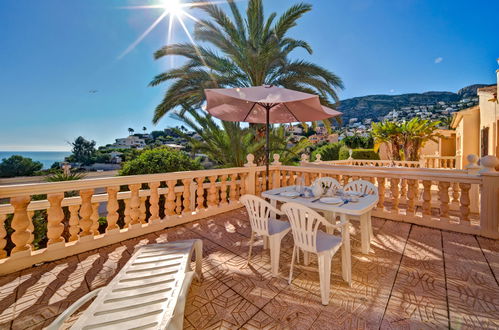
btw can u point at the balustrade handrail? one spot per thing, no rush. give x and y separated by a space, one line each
392 172
55 187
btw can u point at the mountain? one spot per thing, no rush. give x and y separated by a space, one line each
376 106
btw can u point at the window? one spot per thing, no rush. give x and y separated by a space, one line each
485 142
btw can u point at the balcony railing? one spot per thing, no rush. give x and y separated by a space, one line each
87 214
446 162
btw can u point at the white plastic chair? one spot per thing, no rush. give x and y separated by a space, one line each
262 224
335 185
308 237
366 188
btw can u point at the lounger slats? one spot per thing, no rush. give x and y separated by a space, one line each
144 293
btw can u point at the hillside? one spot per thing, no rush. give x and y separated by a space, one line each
376 106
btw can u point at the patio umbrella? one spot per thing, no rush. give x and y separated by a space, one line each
266 105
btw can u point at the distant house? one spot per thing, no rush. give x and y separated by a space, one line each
129 142
316 138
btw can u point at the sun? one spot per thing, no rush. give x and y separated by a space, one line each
173 7
173 10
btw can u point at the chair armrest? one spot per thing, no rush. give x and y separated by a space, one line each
57 323
276 210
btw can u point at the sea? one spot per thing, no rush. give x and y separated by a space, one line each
47 158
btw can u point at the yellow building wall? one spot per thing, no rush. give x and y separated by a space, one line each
489 118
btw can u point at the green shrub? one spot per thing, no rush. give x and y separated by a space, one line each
161 160
328 151
18 166
368 154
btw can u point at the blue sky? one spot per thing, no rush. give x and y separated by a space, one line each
53 52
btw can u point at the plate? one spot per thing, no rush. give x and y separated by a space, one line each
331 200
353 193
290 194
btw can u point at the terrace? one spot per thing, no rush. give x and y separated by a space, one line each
433 261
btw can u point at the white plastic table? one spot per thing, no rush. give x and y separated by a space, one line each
362 209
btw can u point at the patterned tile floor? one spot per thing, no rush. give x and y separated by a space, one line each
413 277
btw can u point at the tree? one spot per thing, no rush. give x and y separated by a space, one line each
244 52
406 139
159 160
228 144
83 151
144 129
416 133
390 133
17 165
130 131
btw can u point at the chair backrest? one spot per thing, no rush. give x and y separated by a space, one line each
305 223
258 212
333 183
362 186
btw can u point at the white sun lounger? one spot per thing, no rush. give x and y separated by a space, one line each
148 293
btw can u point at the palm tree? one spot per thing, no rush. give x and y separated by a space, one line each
144 129
229 144
406 139
130 131
416 133
244 52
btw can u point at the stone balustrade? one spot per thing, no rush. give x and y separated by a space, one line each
108 210
86 214
446 162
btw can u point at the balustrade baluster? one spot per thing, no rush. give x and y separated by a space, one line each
154 201
283 179
31 228
243 187
212 191
403 188
411 196
134 204
143 209
178 203
127 218
55 215
187 195
112 208
86 212
465 201
20 224
233 188
74 223
200 193
381 192
3 235
455 193
307 178
443 193
258 183
95 218
170 198
223 189
394 188
426 197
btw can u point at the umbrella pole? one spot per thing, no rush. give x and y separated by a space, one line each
267 148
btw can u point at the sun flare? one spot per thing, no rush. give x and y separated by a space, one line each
173 7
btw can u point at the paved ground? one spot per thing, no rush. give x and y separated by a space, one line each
413 277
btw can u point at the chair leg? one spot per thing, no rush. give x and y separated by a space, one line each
295 251
325 276
275 252
250 246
